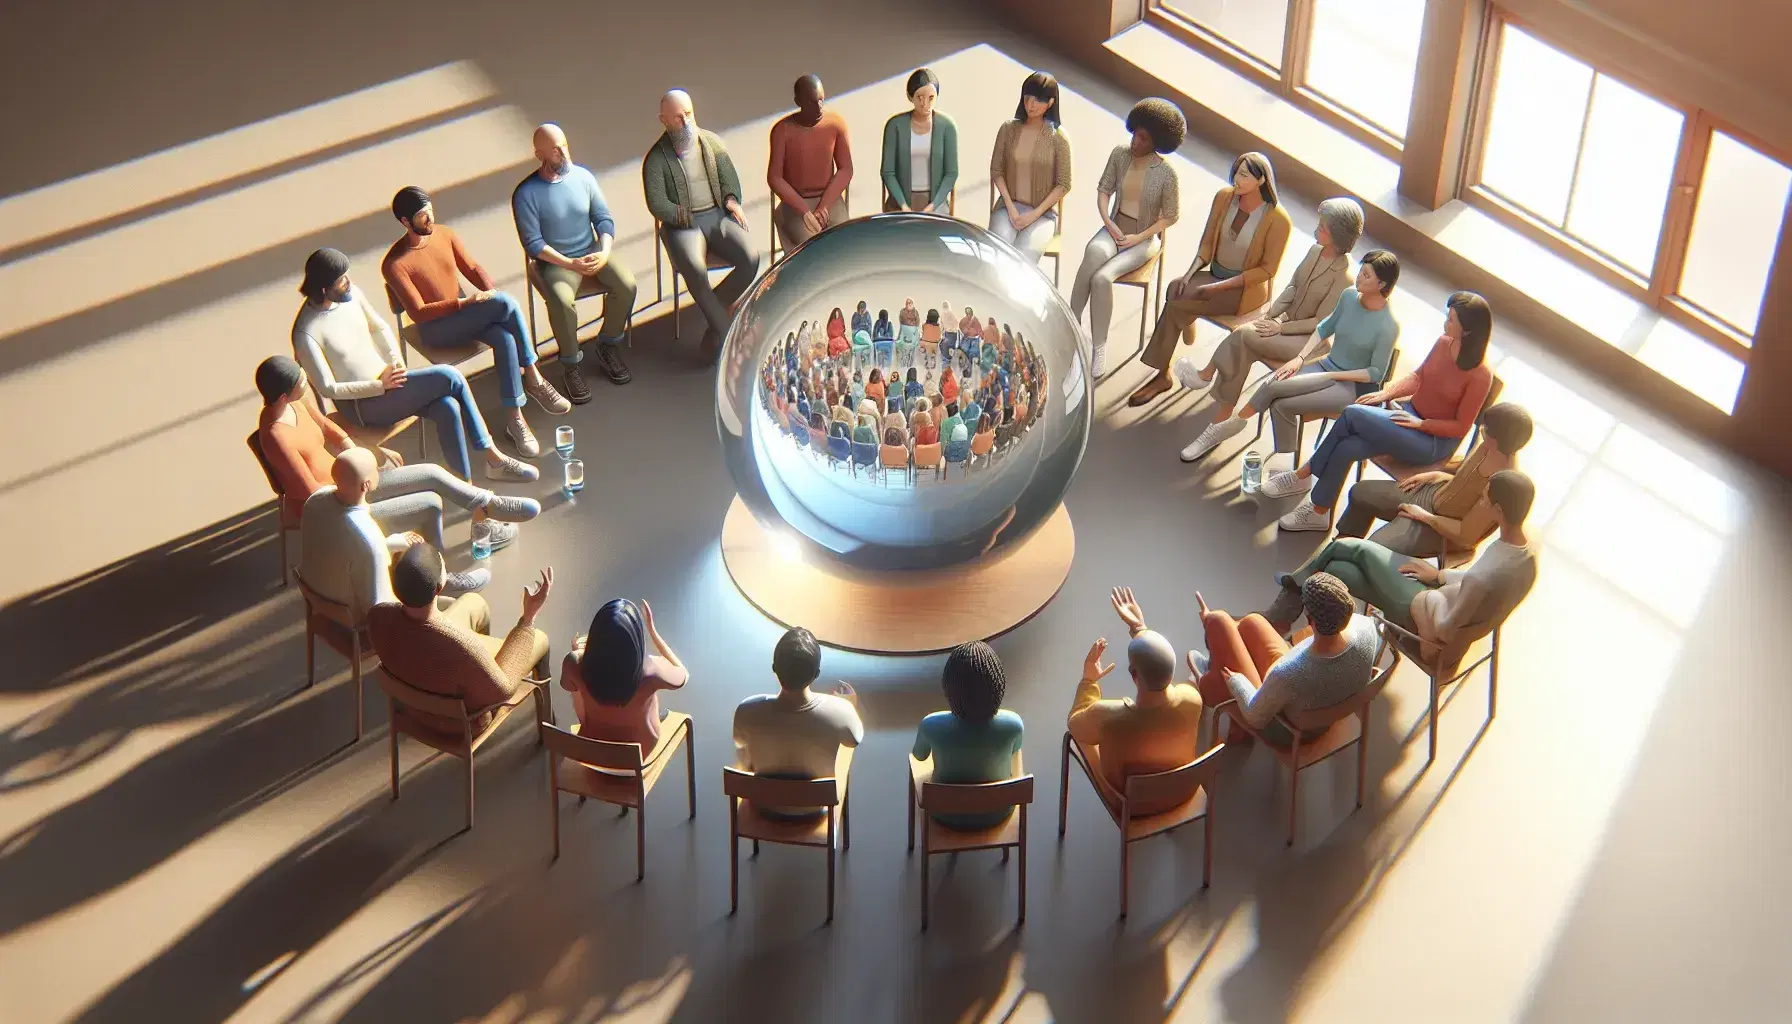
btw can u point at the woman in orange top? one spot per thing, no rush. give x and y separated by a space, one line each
948 385
615 683
925 431
874 387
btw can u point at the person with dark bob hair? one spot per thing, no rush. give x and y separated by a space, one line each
1419 419
797 732
1030 168
976 740
615 682
1137 199
920 159
1434 511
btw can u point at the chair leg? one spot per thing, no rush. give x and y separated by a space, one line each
641 839
1493 676
924 882
1064 787
1022 918
469 791
1207 843
310 651
554 804
280 534
733 855
392 743
690 772
360 710
1362 757
846 821
911 817
1125 867
1432 755
831 856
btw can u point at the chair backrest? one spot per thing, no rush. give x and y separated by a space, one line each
978 798
1157 787
927 456
839 447
894 456
261 457
622 757
864 453
818 439
1393 366
1315 719
1494 387
779 792
958 451
421 701
321 606
393 304
983 444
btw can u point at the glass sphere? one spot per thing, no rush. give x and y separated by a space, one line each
843 489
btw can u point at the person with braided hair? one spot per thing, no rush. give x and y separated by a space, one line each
977 739
1248 660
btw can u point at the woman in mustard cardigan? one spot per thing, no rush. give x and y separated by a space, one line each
920 166
1241 250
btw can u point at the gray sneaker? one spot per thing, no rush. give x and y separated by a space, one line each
517 429
467 582
551 401
510 470
496 533
507 509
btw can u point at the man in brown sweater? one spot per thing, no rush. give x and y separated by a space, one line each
810 167
446 648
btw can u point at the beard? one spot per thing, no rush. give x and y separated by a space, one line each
683 138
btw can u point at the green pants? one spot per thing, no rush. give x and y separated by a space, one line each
1372 573
562 289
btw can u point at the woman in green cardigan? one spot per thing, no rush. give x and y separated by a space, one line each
920 166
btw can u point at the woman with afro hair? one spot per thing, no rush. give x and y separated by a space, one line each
976 740
1137 198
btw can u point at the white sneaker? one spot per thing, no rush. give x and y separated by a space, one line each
1098 360
1210 438
518 431
1284 484
467 582
509 469
1187 371
1305 519
497 534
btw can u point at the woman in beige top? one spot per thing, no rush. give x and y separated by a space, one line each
1030 169
1137 199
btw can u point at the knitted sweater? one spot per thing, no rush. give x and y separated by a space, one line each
345 347
669 193
1159 199
1049 167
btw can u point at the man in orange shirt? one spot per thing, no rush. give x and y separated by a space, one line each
810 168
423 271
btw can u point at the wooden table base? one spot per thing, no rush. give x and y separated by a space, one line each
896 612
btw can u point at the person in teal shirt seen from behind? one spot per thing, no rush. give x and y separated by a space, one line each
977 740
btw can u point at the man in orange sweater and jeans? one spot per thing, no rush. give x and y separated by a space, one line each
423 271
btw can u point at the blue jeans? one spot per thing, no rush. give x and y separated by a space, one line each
439 394
1363 432
498 323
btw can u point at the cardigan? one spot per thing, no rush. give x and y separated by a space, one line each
942 159
663 178
1311 293
1263 258
1050 165
1160 198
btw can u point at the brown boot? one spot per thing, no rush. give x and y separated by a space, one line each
1154 387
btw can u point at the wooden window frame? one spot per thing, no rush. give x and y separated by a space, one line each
1288 82
1659 288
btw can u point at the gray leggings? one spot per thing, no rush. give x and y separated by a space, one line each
1303 394
411 498
1104 263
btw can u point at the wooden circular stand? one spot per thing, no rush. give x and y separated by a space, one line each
896 612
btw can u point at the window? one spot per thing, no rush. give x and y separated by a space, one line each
1580 151
1363 57
1256 28
1735 232
1349 61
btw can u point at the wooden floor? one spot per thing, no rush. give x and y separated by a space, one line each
184 836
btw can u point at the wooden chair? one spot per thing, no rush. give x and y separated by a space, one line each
983 798
983 445
951 200
404 702
1197 776
1443 675
893 457
588 287
746 822
360 645
1149 279
410 335
617 773
284 521
777 249
1346 724
1054 246
929 456
711 262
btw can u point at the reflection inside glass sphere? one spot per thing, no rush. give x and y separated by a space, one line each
904 391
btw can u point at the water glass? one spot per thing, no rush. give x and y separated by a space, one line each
563 441
1251 477
575 476
482 545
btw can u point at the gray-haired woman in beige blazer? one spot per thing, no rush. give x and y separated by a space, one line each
1137 198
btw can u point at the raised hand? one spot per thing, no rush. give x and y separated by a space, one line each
1128 608
1093 669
